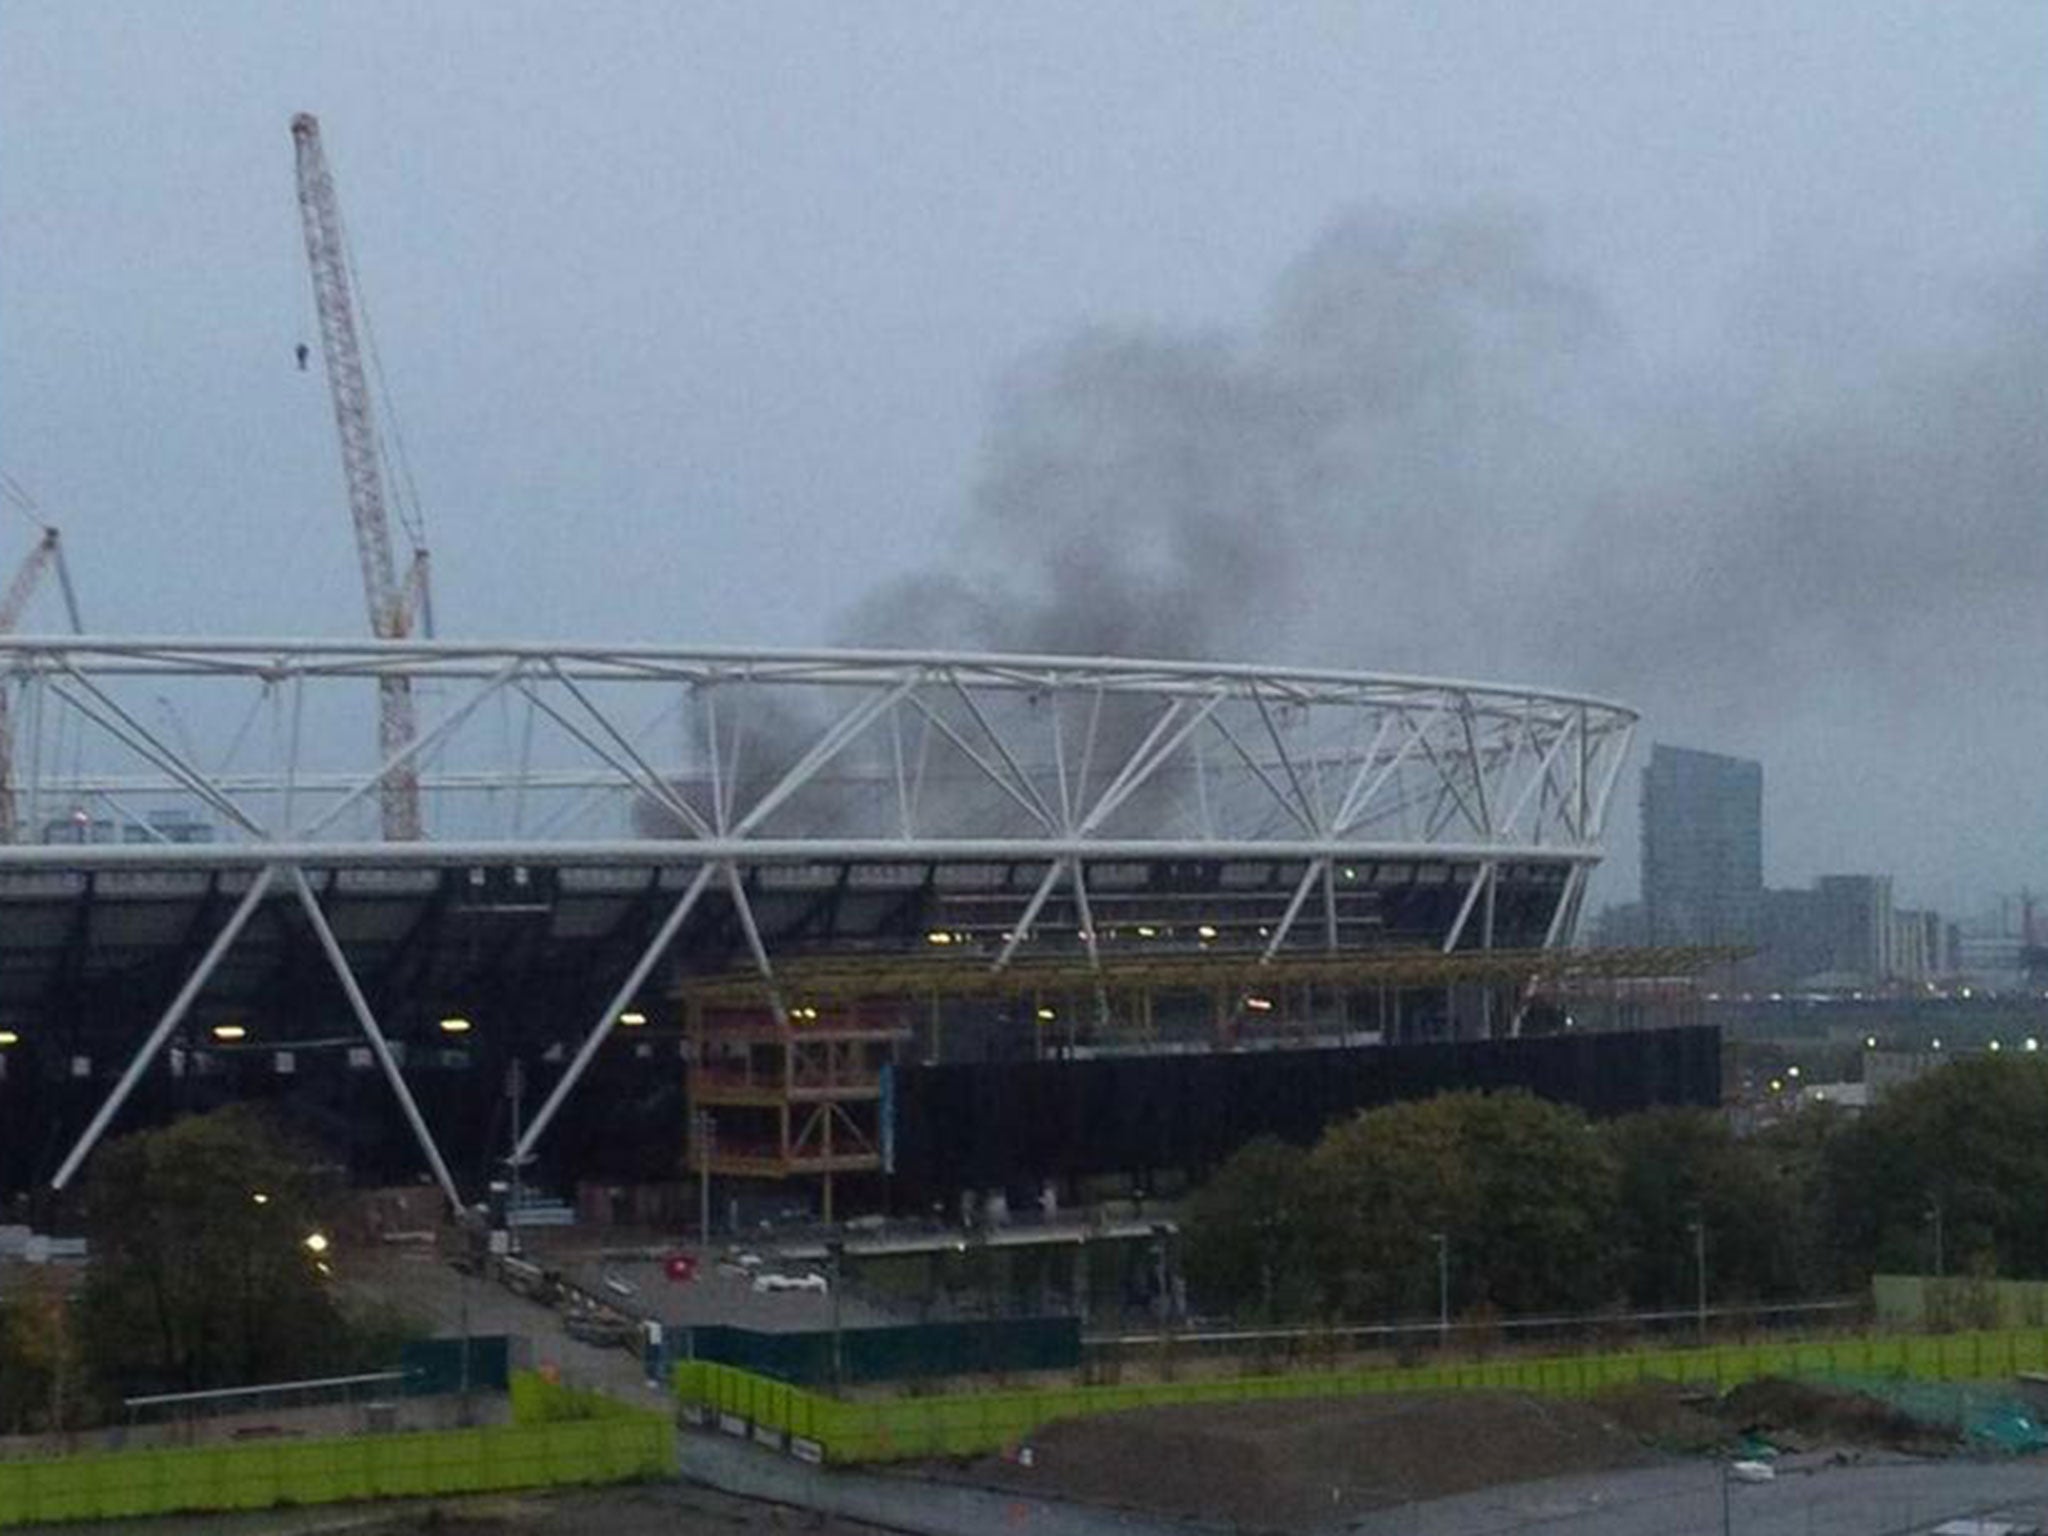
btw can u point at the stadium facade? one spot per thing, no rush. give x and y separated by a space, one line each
778 877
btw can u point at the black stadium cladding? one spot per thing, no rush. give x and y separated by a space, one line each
990 1125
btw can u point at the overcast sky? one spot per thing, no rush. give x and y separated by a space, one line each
1694 354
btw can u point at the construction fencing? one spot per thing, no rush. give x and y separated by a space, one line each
621 1446
814 1425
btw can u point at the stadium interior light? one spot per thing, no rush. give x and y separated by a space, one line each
316 1243
259 1198
1259 1004
633 1018
1047 1013
230 1032
8 1037
455 1025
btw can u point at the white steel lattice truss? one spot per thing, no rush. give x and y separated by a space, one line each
721 762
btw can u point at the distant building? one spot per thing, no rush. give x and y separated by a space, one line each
1621 925
1921 947
1856 921
1844 932
1702 847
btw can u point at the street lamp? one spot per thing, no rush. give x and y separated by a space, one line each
707 1142
1698 1227
835 1252
1443 1288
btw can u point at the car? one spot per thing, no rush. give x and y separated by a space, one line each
769 1284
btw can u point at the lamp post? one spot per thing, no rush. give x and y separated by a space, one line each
1443 1288
835 1268
1698 1227
707 1140
1934 1226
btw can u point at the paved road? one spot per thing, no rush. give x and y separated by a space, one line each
1875 1497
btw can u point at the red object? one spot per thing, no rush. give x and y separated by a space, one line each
680 1266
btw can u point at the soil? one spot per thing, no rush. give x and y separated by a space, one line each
1798 1416
1312 1464
652 1511
1301 1465
1668 1417
649 1510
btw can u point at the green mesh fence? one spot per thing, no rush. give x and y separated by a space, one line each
1985 1415
977 1422
620 1447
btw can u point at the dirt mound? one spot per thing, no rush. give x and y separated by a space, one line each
1308 1463
1667 1416
1800 1415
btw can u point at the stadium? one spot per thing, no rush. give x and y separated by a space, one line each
864 927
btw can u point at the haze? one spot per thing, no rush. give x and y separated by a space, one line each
1696 357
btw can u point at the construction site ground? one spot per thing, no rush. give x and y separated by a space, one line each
1355 1462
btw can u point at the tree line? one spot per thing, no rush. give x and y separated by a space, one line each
1527 1207
200 1275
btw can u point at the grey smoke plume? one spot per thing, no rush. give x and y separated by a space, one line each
1437 451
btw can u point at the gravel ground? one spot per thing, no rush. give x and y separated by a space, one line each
664 1510
1307 1464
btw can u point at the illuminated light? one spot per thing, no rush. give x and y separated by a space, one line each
460 1026
1993 1046
1870 1042
8 1037
1047 1013
1148 933
324 1267
316 1243
1966 994
1935 1043
1350 873
1259 1004
1206 931
2032 1043
259 1198
1777 1085
1793 1070
229 1032
938 936
632 1020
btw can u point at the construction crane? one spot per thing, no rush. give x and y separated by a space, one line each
46 557
396 607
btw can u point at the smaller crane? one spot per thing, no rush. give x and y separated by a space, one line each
47 556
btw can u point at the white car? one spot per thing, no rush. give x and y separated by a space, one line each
765 1284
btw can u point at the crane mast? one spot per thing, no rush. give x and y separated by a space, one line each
47 555
392 604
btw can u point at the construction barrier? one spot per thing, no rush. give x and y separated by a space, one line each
894 1352
975 1423
619 1447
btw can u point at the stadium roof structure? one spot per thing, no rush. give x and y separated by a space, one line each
766 787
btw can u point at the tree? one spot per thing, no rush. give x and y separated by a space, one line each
1678 1166
1249 1233
1969 1141
200 1274
1521 1190
40 1371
